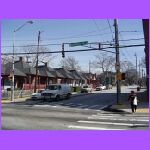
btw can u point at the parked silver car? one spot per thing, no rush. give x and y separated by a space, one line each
86 89
100 87
108 86
57 92
37 95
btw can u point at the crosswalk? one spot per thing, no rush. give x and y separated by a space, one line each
71 105
113 121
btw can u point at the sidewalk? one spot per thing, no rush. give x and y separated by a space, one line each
74 94
15 100
142 107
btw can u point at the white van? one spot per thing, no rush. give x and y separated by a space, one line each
57 91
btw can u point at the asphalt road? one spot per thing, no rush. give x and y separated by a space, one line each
80 112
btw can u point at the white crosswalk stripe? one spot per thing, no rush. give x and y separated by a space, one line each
90 128
118 119
110 121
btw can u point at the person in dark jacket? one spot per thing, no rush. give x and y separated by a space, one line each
133 101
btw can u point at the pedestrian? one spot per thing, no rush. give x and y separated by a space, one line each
133 101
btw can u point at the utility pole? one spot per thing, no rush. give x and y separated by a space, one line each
139 69
89 66
142 73
136 69
13 60
37 57
117 59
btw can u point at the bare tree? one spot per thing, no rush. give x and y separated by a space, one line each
126 65
70 63
6 59
44 57
143 63
104 61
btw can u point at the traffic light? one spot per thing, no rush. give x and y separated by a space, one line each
118 76
99 46
63 53
123 76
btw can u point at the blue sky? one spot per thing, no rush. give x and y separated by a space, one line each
57 31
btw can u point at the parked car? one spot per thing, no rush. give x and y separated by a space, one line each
100 87
86 89
108 86
57 91
37 95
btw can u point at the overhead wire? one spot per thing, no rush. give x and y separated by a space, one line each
81 50
110 29
68 37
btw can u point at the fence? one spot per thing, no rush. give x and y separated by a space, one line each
17 94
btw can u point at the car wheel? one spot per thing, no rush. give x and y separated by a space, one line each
57 98
68 96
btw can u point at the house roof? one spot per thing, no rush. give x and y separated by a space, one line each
86 76
65 73
44 71
7 69
78 75
74 74
56 73
25 67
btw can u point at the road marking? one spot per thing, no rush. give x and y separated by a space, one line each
91 128
114 119
93 106
54 106
111 123
120 115
83 106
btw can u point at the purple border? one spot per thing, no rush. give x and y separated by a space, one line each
74 140
0 72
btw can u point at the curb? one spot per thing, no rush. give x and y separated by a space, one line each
77 95
108 106
24 99
15 100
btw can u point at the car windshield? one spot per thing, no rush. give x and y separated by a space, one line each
52 87
85 86
40 91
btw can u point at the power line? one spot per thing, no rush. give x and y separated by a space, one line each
109 43
131 31
97 27
133 39
104 43
110 29
34 45
123 43
81 50
69 37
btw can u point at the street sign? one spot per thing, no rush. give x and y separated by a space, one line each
117 66
78 43
118 76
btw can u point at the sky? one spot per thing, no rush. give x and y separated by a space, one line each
58 31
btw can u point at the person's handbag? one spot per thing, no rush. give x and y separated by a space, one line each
135 101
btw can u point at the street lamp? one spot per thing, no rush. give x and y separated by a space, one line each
136 68
13 63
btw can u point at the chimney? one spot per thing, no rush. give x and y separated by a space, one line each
45 64
21 59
